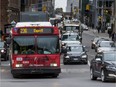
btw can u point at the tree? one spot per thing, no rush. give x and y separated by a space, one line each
58 10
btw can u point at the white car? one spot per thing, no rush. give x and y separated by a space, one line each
84 27
71 36
105 49
106 46
71 42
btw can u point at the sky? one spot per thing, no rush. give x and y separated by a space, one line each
61 4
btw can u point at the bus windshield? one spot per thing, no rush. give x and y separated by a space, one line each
47 44
71 28
27 45
24 45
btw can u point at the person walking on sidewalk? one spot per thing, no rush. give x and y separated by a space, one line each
110 32
99 27
114 36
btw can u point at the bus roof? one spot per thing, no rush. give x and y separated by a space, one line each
71 24
31 24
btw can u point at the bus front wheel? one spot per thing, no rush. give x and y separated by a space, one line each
55 75
15 76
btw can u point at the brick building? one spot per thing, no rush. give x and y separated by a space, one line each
37 5
3 13
13 10
9 11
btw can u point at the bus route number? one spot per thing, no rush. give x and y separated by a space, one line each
23 30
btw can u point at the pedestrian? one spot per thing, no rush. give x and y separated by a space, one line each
92 26
113 36
110 32
114 39
98 29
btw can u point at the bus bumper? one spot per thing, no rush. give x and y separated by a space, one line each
36 71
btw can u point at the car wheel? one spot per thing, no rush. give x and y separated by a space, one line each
92 77
15 76
103 77
55 75
86 62
91 47
64 62
6 58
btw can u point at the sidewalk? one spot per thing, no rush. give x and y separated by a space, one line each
95 33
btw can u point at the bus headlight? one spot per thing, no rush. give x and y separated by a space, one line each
53 64
19 65
2 51
19 59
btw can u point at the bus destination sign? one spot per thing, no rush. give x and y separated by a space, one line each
35 30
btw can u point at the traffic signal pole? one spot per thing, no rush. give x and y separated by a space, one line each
115 16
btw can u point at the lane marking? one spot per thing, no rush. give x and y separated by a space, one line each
89 63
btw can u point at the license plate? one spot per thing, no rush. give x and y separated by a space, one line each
75 59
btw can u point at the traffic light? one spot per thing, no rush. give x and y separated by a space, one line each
88 7
40 5
44 8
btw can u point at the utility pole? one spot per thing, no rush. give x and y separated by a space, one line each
115 16
71 9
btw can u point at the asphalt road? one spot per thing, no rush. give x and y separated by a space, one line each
71 76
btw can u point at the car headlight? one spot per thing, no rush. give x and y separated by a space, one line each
84 56
2 51
93 42
67 57
99 50
111 67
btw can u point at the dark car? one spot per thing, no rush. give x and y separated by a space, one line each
75 54
103 66
3 51
98 42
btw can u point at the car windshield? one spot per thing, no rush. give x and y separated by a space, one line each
75 48
1 44
110 57
52 22
70 37
100 40
96 39
24 45
47 44
71 28
107 44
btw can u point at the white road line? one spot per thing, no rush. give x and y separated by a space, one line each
89 63
91 55
5 64
74 70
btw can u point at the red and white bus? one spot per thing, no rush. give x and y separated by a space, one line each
35 49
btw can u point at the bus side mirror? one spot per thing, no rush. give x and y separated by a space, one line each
8 40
